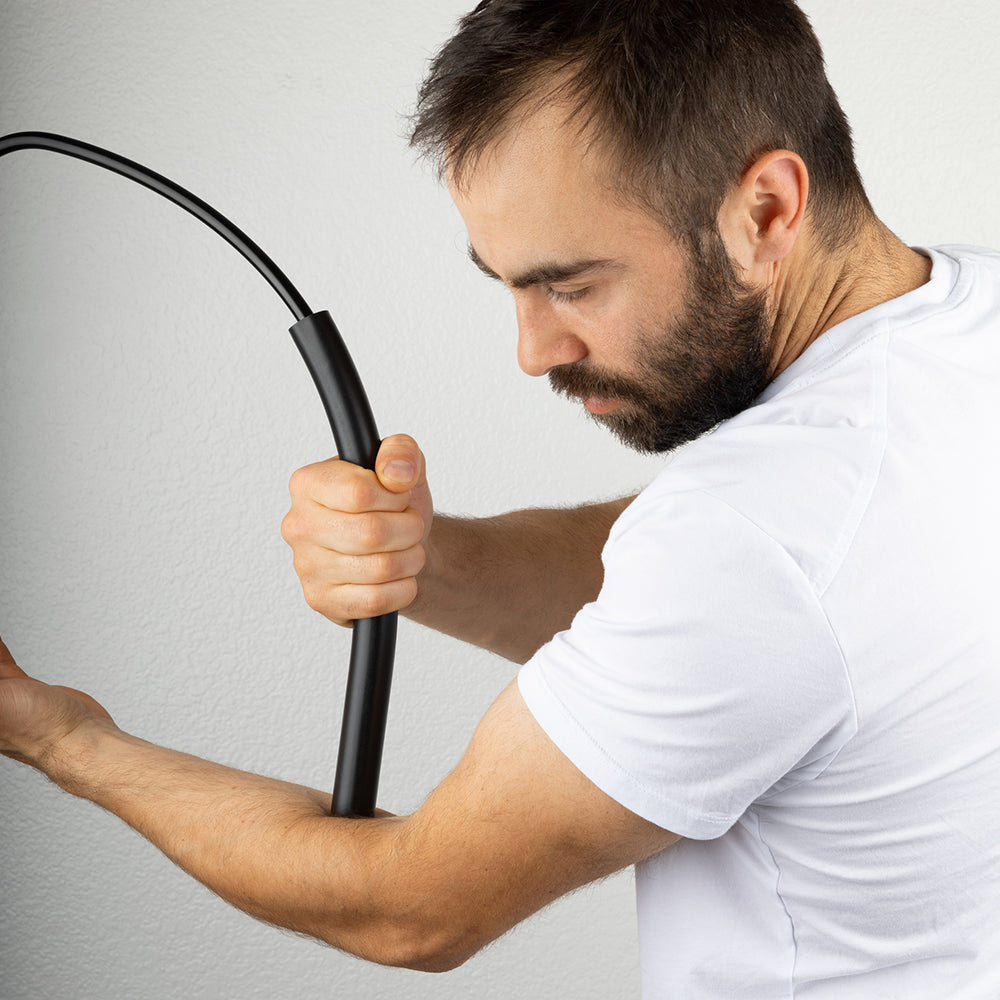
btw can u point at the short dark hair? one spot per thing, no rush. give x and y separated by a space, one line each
683 94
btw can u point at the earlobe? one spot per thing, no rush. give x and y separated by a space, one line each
761 217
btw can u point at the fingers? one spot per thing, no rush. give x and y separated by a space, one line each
8 668
348 603
353 534
400 464
340 508
340 486
357 535
344 587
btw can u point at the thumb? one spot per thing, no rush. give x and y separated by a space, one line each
8 668
400 463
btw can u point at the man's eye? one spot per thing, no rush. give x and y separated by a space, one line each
574 296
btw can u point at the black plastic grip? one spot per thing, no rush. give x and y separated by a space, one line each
366 702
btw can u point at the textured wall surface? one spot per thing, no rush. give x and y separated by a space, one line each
152 408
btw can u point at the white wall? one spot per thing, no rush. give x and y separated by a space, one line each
152 407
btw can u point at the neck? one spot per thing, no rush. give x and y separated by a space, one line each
812 291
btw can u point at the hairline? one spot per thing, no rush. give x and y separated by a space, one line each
559 80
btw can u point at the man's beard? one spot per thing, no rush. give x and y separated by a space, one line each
708 365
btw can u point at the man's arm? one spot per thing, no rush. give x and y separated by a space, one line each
366 543
514 826
509 583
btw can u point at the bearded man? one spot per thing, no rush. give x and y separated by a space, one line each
771 680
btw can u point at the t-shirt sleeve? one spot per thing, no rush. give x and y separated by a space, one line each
704 675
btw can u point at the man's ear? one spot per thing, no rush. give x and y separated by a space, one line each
761 217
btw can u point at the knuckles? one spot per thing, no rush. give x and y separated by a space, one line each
316 597
388 567
335 485
301 481
291 528
360 493
370 602
370 531
339 542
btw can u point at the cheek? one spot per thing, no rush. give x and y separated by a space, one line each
659 299
610 321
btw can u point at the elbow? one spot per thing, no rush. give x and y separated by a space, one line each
428 948
427 957
423 946
407 913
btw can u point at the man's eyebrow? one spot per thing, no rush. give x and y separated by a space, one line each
482 265
545 274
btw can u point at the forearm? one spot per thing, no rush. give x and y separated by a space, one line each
509 583
266 846
513 827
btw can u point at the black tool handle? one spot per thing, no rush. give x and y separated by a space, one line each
366 703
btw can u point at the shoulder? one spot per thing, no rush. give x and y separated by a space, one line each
789 475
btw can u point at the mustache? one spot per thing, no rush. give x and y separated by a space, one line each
581 379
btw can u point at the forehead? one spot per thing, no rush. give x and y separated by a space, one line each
544 189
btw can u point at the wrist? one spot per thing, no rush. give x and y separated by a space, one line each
427 577
75 759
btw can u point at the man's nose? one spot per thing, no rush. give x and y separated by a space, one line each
543 341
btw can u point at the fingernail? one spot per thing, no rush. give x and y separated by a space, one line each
399 471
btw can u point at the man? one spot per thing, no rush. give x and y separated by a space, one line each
771 679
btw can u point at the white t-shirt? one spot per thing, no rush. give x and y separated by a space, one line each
794 663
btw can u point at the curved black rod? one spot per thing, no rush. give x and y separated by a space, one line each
349 412
172 192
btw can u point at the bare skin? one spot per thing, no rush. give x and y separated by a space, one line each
515 825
